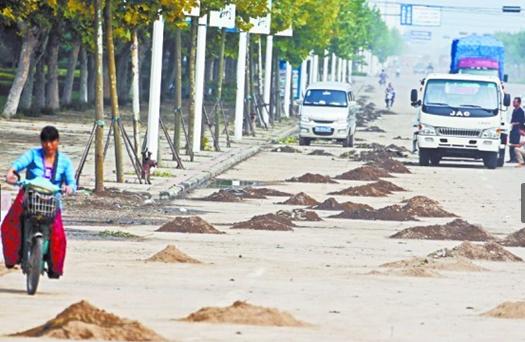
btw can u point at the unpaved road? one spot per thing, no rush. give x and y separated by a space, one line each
318 272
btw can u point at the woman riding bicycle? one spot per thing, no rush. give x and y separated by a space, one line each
46 162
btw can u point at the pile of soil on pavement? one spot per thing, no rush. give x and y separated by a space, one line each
455 230
311 178
385 112
491 251
510 310
390 213
222 196
418 272
456 264
266 192
516 239
380 152
329 204
286 149
192 224
320 153
301 199
425 207
300 215
348 155
390 165
83 321
172 254
365 173
266 222
400 138
244 313
374 129
377 189
109 199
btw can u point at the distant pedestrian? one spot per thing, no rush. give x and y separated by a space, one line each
517 122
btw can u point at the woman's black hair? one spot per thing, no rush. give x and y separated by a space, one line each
49 133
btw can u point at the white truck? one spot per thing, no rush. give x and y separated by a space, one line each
461 116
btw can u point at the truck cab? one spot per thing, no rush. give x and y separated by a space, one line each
461 116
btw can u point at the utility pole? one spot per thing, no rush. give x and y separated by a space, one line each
241 78
199 83
99 100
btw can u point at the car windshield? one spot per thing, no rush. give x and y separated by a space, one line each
325 97
445 96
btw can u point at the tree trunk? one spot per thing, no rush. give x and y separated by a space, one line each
39 101
99 100
220 78
52 99
112 76
92 76
168 67
191 76
178 88
70 76
123 62
276 86
27 94
83 76
135 95
144 83
28 44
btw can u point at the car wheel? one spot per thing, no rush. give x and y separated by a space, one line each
424 157
304 141
490 160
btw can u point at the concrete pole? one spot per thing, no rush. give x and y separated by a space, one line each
334 66
315 69
241 76
199 82
340 70
350 70
260 67
303 78
268 76
288 89
154 87
325 68
344 68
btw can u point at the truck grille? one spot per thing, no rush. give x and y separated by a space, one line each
458 132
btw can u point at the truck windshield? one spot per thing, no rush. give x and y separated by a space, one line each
325 97
446 97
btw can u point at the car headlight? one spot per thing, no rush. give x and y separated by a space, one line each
305 119
427 130
491 133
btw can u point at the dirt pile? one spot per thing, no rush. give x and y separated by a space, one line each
390 213
425 207
266 192
83 321
390 165
455 230
312 178
377 189
329 204
374 129
109 199
510 310
192 224
299 215
222 196
430 266
286 149
380 152
172 254
348 155
320 153
301 199
516 239
266 222
244 313
364 173
491 251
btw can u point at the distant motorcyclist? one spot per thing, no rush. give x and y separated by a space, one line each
390 95
398 72
430 68
382 77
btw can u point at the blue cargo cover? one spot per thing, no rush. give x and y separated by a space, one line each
477 46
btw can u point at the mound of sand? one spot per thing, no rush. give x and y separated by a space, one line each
172 254
266 222
425 207
511 310
286 149
267 192
329 204
83 321
456 264
418 272
374 129
244 313
301 199
222 196
365 173
455 230
192 224
516 239
390 213
300 215
312 178
348 154
320 153
489 251
377 189
390 165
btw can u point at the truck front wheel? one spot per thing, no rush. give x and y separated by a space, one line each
501 157
424 157
490 160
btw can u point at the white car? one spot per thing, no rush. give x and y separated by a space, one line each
328 112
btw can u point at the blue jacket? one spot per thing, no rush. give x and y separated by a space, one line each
33 161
